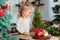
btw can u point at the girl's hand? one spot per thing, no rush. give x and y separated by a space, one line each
26 33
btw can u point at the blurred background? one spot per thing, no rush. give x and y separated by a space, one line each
46 9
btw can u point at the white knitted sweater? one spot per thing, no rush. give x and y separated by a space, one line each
23 25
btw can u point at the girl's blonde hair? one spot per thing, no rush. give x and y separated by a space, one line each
24 6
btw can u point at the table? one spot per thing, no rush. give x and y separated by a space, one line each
22 37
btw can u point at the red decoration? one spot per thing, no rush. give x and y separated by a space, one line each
1 12
39 32
58 25
5 7
8 31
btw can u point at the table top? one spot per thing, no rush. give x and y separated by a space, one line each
29 37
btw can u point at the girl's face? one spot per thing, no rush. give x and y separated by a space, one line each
27 13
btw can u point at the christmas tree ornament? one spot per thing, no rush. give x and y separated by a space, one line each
9 32
7 6
1 12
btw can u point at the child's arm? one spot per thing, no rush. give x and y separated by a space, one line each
26 33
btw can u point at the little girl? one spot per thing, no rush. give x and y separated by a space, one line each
24 21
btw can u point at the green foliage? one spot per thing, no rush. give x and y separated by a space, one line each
56 9
55 0
5 24
57 19
3 0
37 20
53 31
37 0
57 12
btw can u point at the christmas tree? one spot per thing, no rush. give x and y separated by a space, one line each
37 20
5 22
56 10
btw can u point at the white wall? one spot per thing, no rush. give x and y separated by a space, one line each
51 14
45 10
14 9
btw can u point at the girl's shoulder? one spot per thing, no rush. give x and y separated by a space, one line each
20 18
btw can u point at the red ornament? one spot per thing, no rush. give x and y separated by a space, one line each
8 31
1 12
6 6
39 32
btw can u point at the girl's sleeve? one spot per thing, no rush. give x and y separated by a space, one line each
19 26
